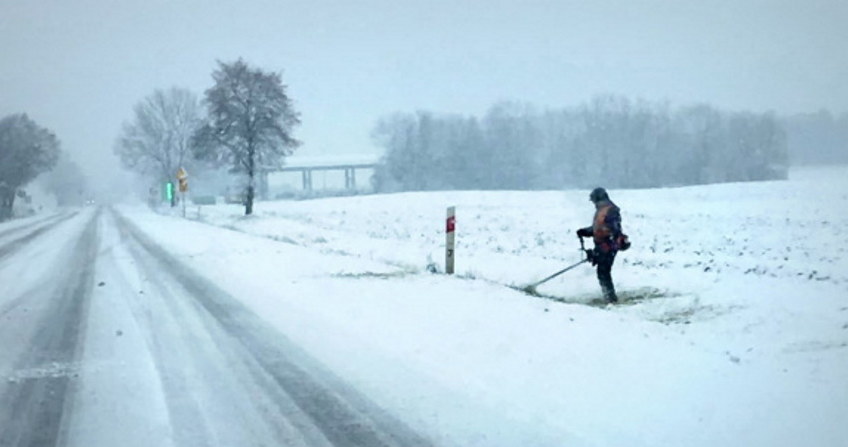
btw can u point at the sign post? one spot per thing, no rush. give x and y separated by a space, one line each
450 231
182 177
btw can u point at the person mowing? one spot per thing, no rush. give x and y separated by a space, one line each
606 233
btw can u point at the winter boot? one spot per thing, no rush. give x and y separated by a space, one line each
609 295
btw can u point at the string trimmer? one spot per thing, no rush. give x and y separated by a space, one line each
531 289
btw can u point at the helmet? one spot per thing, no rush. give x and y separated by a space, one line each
598 194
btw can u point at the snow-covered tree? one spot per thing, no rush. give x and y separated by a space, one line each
249 124
26 150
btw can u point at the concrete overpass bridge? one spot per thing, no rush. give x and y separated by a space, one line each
345 165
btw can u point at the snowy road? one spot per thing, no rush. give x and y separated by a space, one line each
106 339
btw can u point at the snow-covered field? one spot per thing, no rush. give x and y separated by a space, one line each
742 339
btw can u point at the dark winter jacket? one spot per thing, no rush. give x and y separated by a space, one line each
606 226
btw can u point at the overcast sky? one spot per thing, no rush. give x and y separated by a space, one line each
79 66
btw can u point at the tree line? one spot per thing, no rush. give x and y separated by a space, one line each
609 140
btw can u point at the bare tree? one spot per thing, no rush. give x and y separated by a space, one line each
157 142
250 122
26 150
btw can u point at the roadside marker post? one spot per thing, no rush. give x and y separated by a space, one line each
450 231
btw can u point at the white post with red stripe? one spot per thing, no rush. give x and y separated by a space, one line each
450 231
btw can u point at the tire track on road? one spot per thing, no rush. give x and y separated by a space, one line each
339 414
32 407
16 244
16 229
13 246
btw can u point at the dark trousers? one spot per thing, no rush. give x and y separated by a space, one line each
605 261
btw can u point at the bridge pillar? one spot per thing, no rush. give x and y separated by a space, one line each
350 178
307 179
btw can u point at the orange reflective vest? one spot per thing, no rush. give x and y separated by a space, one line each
606 226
